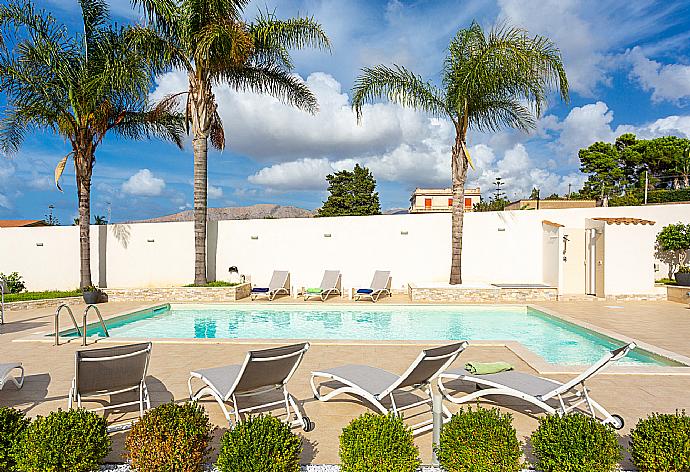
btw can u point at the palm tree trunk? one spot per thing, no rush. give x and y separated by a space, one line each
200 208
83 171
459 174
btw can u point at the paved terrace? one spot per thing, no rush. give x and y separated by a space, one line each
50 369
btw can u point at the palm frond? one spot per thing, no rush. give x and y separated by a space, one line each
221 45
273 37
95 14
160 121
161 52
400 86
274 81
161 15
504 67
216 132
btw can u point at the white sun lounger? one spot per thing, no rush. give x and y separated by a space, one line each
262 372
538 391
110 371
280 283
380 285
377 385
331 283
6 374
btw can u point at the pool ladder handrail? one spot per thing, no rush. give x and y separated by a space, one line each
56 322
100 318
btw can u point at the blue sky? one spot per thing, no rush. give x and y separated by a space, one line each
628 63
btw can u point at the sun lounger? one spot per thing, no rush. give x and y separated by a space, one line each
330 284
380 285
6 371
262 372
109 371
565 397
378 386
280 283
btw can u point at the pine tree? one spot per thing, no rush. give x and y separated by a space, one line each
351 193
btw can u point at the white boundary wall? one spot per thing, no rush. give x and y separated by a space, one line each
497 247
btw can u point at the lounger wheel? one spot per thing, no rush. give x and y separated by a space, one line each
617 422
307 424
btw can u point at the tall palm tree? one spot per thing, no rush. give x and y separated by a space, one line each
82 87
209 40
490 81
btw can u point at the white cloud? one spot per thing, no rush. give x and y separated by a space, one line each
144 183
669 82
590 33
593 122
302 174
5 202
214 192
41 182
519 172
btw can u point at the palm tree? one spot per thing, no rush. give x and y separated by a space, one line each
209 40
489 81
82 87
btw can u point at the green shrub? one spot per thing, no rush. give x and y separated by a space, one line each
13 282
260 444
479 441
170 437
64 441
12 426
376 443
661 443
575 443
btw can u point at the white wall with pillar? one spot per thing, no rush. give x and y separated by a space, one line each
498 247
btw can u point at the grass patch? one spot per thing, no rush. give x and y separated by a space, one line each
217 283
26 296
666 281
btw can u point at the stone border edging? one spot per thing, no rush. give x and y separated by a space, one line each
40 303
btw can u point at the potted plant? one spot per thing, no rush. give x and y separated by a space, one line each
683 276
91 294
673 243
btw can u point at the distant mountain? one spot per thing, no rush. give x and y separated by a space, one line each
259 211
396 211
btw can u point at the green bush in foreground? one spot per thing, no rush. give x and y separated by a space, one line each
260 444
479 441
63 441
377 443
12 426
661 443
575 443
170 437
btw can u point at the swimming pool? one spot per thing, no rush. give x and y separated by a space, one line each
553 339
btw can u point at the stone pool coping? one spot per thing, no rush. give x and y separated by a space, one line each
536 362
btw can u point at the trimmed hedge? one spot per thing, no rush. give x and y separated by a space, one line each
661 443
575 443
13 424
260 444
479 441
170 437
63 441
378 443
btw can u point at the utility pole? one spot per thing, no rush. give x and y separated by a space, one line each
646 185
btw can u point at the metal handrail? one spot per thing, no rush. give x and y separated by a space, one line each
100 318
57 322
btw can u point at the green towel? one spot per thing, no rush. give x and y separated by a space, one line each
314 290
483 368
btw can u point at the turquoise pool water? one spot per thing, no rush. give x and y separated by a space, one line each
556 341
